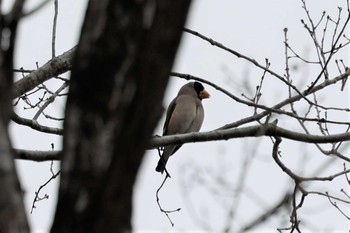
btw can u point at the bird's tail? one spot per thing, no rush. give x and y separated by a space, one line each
168 151
161 165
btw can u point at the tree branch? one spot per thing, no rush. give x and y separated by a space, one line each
253 61
224 134
52 68
38 156
250 131
290 100
35 125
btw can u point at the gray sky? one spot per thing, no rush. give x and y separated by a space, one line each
253 28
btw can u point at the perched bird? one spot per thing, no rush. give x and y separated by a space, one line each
185 114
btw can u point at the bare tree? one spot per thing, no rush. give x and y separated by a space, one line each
125 50
303 104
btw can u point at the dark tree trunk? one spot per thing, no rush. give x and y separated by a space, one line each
119 75
12 215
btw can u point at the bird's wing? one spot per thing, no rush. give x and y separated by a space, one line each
169 112
184 115
198 121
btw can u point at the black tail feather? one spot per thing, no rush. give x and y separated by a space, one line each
161 165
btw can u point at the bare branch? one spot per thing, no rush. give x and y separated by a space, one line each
50 100
37 198
38 156
52 68
35 125
166 212
332 50
54 30
226 134
250 131
289 100
239 55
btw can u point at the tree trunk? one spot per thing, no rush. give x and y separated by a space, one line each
119 75
12 215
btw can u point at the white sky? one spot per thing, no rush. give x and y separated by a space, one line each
253 28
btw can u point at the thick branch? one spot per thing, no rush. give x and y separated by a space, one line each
37 156
35 125
250 131
216 135
54 67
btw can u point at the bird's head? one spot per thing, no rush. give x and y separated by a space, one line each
201 92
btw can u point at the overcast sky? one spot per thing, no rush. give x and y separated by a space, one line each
251 27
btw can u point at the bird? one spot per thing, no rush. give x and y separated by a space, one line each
185 114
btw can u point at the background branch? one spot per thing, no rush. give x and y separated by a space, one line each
52 68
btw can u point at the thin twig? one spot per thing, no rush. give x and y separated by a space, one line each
50 100
37 198
54 29
166 212
240 55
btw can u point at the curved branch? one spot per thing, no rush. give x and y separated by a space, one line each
267 110
288 101
253 61
35 125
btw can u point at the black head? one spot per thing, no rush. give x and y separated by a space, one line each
198 87
194 89
200 91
